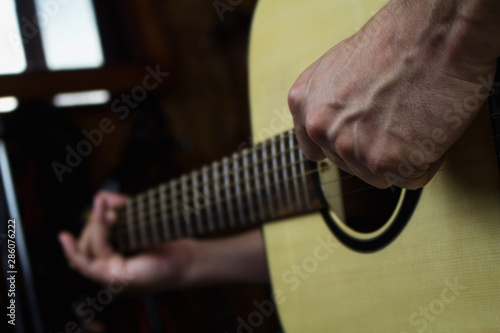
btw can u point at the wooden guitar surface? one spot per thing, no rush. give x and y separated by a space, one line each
441 274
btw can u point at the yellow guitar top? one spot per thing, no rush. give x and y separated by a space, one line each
441 273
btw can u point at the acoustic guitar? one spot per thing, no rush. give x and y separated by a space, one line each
343 256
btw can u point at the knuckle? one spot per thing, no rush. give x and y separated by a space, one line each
99 197
345 149
316 127
295 96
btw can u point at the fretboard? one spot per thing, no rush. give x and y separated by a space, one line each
269 181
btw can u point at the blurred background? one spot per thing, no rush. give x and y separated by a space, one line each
65 65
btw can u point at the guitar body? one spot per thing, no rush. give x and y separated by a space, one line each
441 273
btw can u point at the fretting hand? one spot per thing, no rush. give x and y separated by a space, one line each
178 264
166 266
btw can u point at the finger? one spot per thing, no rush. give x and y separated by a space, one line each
98 270
109 217
419 182
297 102
98 242
338 161
297 93
112 199
74 256
98 207
310 149
362 172
93 242
366 175
85 242
346 160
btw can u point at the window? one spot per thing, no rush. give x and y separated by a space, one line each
12 58
8 104
69 34
94 97
49 47
68 31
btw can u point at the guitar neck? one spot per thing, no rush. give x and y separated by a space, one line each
269 181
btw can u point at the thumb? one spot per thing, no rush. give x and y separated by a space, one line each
69 246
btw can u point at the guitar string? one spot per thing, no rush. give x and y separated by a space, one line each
235 158
281 137
153 205
223 176
212 203
120 233
218 164
201 185
127 230
233 184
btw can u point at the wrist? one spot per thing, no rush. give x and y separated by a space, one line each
239 258
196 264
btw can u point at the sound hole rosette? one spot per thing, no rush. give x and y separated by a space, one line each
330 185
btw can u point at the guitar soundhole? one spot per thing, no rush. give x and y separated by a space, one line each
363 217
366 208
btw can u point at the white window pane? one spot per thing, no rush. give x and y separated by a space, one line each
69 34
12 59
8 104
93 97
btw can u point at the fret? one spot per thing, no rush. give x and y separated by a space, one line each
217 196
284 171
239 202
294 170
274 159
241 189
164 213
142 220
227 191
302 160
266 180
206 192
248 191
196 197
257 183
184 206
152 217
175 210
130 225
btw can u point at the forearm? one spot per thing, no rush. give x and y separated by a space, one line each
454 31
480 29
239 258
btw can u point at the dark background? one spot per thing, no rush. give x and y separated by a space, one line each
198 114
